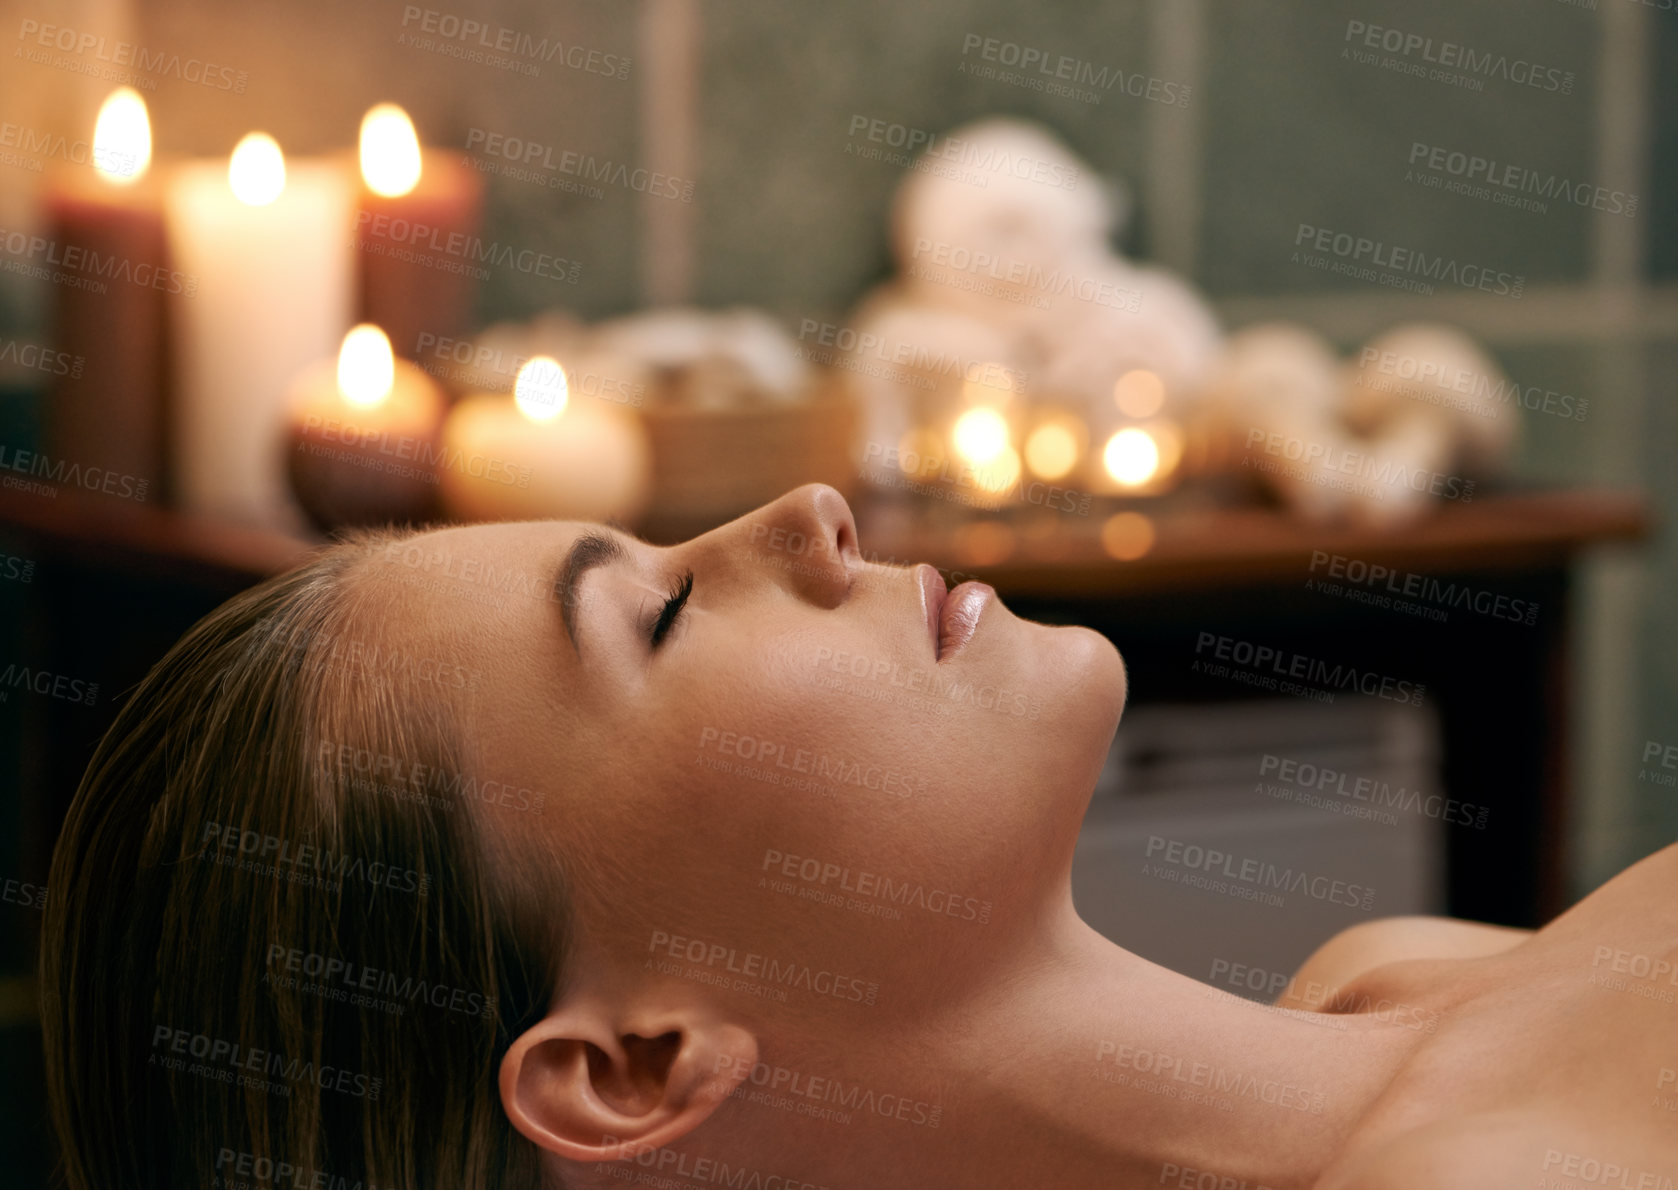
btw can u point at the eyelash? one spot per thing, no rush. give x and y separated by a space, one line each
673 607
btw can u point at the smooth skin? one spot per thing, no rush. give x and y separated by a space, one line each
824 928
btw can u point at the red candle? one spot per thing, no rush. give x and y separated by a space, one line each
420 213
110 304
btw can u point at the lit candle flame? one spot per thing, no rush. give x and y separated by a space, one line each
256 171
122 138
1131 457
1052 449
999 474
541 389
390 151
366 367
980 436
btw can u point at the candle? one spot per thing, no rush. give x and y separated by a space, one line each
1056 444
109 412
1142 451
364 436
269 245
411 201
542 454
983 440
1141 459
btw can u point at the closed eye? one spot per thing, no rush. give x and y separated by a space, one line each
672 609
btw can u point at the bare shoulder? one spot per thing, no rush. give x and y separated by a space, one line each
1647 890
1502 1151
1360 949
1506 1150
1645 893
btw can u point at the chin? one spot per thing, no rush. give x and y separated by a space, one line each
1086 672
1078 678
1096 673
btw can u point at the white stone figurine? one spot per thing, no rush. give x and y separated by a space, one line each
1425 365
1127 318
1275 398
979 227
1001 239
1413 419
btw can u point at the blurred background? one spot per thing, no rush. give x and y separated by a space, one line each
1320 354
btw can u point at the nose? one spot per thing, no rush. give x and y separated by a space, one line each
809 536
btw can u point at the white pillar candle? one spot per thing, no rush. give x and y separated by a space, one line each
269 243
541 454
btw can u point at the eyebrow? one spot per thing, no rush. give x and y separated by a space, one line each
594 548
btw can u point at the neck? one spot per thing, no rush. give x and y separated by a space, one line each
1082 1066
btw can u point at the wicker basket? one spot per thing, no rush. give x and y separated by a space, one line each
710 466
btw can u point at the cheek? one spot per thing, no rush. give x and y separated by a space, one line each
748 768
803 744
830 730
820 691
790 777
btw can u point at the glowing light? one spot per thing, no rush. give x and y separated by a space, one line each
1169 439
256 171
366 367
1131 457
1139 393
541 390
1127 536
122 138
390 151
980 436
1000 474
1051 451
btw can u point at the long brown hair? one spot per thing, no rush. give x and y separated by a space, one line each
259 964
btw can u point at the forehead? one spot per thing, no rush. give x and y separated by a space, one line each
496 566
467 595
472 610
468 615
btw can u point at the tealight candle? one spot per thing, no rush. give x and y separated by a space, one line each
364 436
982 440
1140 459
542 454
1056 444
268 243
418 208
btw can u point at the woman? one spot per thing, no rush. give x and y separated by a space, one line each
531 855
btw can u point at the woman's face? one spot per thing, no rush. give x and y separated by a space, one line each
792 772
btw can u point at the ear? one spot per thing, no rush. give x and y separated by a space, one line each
596 1082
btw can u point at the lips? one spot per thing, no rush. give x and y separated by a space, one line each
933 592
958 619
952 616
